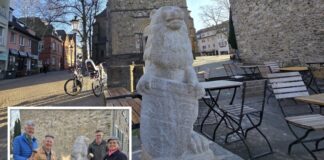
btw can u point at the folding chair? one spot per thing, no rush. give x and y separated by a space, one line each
231 72
274 66
289 87
249 110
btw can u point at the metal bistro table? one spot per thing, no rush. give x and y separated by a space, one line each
254 71
212 86
316 99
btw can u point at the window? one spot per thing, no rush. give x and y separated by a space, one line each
21 40
12 37
29 43
204 47
53 46
1 36
53 60
40 46
203 40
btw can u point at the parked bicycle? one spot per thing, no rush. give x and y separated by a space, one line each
74 85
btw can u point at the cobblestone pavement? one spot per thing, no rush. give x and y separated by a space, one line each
40 90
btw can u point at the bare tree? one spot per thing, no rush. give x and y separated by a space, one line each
216 13
62 11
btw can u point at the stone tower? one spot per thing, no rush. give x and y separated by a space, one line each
126 36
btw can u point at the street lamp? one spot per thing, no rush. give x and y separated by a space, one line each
75 24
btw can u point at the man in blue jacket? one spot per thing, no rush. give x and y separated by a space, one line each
25 144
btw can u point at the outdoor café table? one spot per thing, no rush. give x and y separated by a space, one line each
294 69
212 86
316 99
253 71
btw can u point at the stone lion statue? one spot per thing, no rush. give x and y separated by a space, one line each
168 52
170 92
80 148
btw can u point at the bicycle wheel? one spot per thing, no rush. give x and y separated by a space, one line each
72 87
97 87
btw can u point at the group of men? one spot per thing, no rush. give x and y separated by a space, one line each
25 147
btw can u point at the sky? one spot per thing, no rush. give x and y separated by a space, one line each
194 7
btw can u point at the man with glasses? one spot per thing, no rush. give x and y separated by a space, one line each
97 149
26 144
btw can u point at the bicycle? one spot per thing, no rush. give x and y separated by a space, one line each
96 76
73 86
76 83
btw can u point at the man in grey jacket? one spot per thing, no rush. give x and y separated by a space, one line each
98 148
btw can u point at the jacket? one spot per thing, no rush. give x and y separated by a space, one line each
21 148
41 155
99 151
118 155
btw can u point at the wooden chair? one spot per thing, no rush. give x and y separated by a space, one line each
318 77
288 86
251 107
274 66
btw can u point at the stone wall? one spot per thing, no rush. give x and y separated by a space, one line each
126 36
67 125
279 29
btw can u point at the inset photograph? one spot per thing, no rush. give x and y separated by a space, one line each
78 133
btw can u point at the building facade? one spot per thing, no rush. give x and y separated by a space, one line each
51 53
4 18
23 50
123 23
279 30
68 50
51 46
213 40
67 125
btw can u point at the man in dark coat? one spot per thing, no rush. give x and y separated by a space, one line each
97 149
113 150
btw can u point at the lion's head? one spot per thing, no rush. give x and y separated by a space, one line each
168 42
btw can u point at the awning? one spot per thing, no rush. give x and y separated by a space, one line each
23 54
13 52
3 56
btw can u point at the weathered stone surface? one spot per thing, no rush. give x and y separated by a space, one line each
125 22
80 148
170 91
279 29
